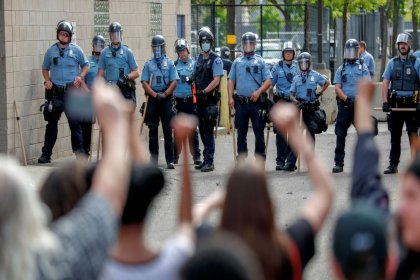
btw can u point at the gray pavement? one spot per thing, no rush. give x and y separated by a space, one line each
288 190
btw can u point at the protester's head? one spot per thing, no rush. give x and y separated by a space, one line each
64 187
145 183
23 224
223 257
248 212
409 206
360 243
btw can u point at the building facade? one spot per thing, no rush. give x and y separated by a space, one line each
28 28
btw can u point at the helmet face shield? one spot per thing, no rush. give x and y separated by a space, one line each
115 37
158 51
248 46
304 64
351 53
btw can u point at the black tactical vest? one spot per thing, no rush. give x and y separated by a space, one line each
204 71
404 75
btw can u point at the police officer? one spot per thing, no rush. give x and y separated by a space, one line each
98 44
283 74
417 54
400 83
303 93
117 64
184 100
345 80
224 55
159 78
207 74
252 78
64 65
367 59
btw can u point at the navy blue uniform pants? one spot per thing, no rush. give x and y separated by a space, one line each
188 108
206 129
245 112
156 112
283 149
345 118
51 132
396 121
307 117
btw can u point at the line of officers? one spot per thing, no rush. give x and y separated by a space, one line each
192 87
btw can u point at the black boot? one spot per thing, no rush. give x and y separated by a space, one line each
45 157
337 168
391 169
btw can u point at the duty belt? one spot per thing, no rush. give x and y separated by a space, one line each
243 99
405 100
281 96
188 99
310 105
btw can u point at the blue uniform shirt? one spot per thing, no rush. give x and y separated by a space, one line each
279 73
353 73
93 71
116 62
369 62
388 75
417 54
244 70
184 69
164 72
64 65
305 87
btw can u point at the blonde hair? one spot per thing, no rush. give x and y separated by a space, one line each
24 234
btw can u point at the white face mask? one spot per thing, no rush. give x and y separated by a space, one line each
205 47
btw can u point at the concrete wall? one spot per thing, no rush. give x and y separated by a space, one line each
27 29
329 104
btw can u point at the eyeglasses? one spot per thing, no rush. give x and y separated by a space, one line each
63 33
206 41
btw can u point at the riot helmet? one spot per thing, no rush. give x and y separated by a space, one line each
158 47
351 50
205 39
115 31
404 38
224 52
98 44
180 45
304 61
249 40
288 46
67 27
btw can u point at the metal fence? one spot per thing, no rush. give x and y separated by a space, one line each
274 24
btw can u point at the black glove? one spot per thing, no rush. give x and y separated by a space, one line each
385 107
201 94
300 105
348 102
160 96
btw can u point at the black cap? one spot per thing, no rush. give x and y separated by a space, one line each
360 240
